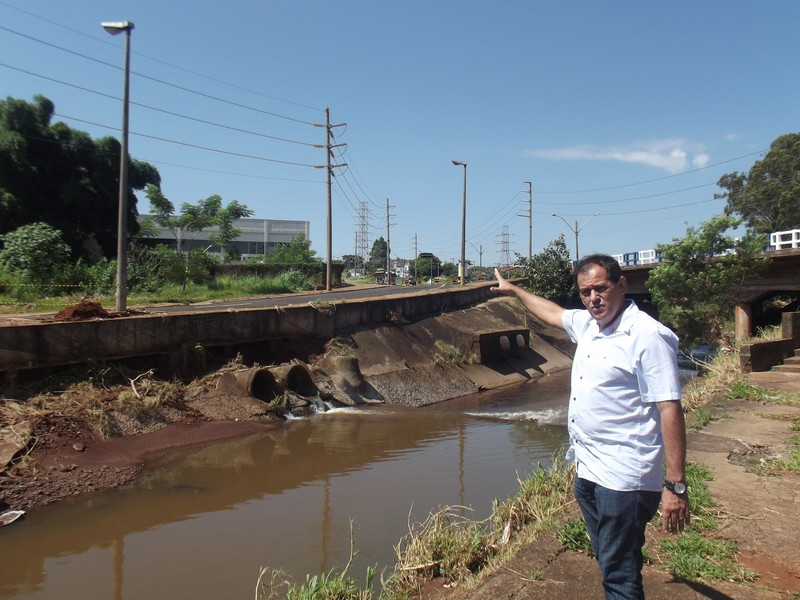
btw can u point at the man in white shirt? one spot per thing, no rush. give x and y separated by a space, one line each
625 417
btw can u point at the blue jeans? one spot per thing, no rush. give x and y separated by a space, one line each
616 522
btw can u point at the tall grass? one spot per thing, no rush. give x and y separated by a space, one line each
450 546
717 376
31 299
722 376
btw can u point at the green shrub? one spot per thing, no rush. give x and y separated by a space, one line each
168 264
293 281
201 266
36 250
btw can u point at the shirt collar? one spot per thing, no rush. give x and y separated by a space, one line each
623 322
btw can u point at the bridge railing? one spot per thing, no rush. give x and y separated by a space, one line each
779 240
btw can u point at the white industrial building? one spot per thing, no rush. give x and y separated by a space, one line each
258 237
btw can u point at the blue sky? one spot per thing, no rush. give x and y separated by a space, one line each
622 115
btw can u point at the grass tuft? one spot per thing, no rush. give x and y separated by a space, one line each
332 585
695 557
448 353
449 545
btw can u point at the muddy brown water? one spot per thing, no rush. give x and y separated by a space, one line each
201 523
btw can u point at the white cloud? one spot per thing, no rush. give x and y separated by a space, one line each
671 155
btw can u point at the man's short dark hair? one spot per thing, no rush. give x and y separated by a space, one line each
599 260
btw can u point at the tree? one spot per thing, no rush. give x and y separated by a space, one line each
768 197
194 218
50 173
549 273
427 265
353 262
297 251
449 269
694 287
377 256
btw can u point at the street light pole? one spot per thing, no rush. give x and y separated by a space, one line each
115 28
480 254
576 230
463 222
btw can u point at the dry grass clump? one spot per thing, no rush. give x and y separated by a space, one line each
140 405
449 545
542 498
717 376
722 371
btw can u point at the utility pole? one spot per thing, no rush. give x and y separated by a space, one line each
355 254
416 254
329 167
388 247
530 220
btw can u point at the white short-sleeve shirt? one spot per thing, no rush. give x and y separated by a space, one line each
618 375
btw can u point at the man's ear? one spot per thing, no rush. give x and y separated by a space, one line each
623 284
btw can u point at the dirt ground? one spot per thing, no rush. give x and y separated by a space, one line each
759 512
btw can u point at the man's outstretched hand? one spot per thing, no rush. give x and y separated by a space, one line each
503 285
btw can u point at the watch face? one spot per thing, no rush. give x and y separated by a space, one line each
679 488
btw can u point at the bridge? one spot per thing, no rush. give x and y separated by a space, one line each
781 276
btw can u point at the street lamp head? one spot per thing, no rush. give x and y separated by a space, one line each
117 27
459 164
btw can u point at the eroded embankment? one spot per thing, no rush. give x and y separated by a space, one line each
413 364
91 437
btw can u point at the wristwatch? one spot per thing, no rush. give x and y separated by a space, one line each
676 487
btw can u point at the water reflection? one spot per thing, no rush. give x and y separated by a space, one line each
200 523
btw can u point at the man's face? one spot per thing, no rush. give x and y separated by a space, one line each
602 297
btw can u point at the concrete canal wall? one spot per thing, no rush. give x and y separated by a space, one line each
40 344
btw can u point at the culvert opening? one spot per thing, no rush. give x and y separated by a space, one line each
263 386
298 380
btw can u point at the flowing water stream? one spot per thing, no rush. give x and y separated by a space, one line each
200 523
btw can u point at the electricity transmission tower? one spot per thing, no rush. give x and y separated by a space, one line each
505 255
362 235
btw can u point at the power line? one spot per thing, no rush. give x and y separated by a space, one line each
160 61
188 145
695 187
161 81
161 110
